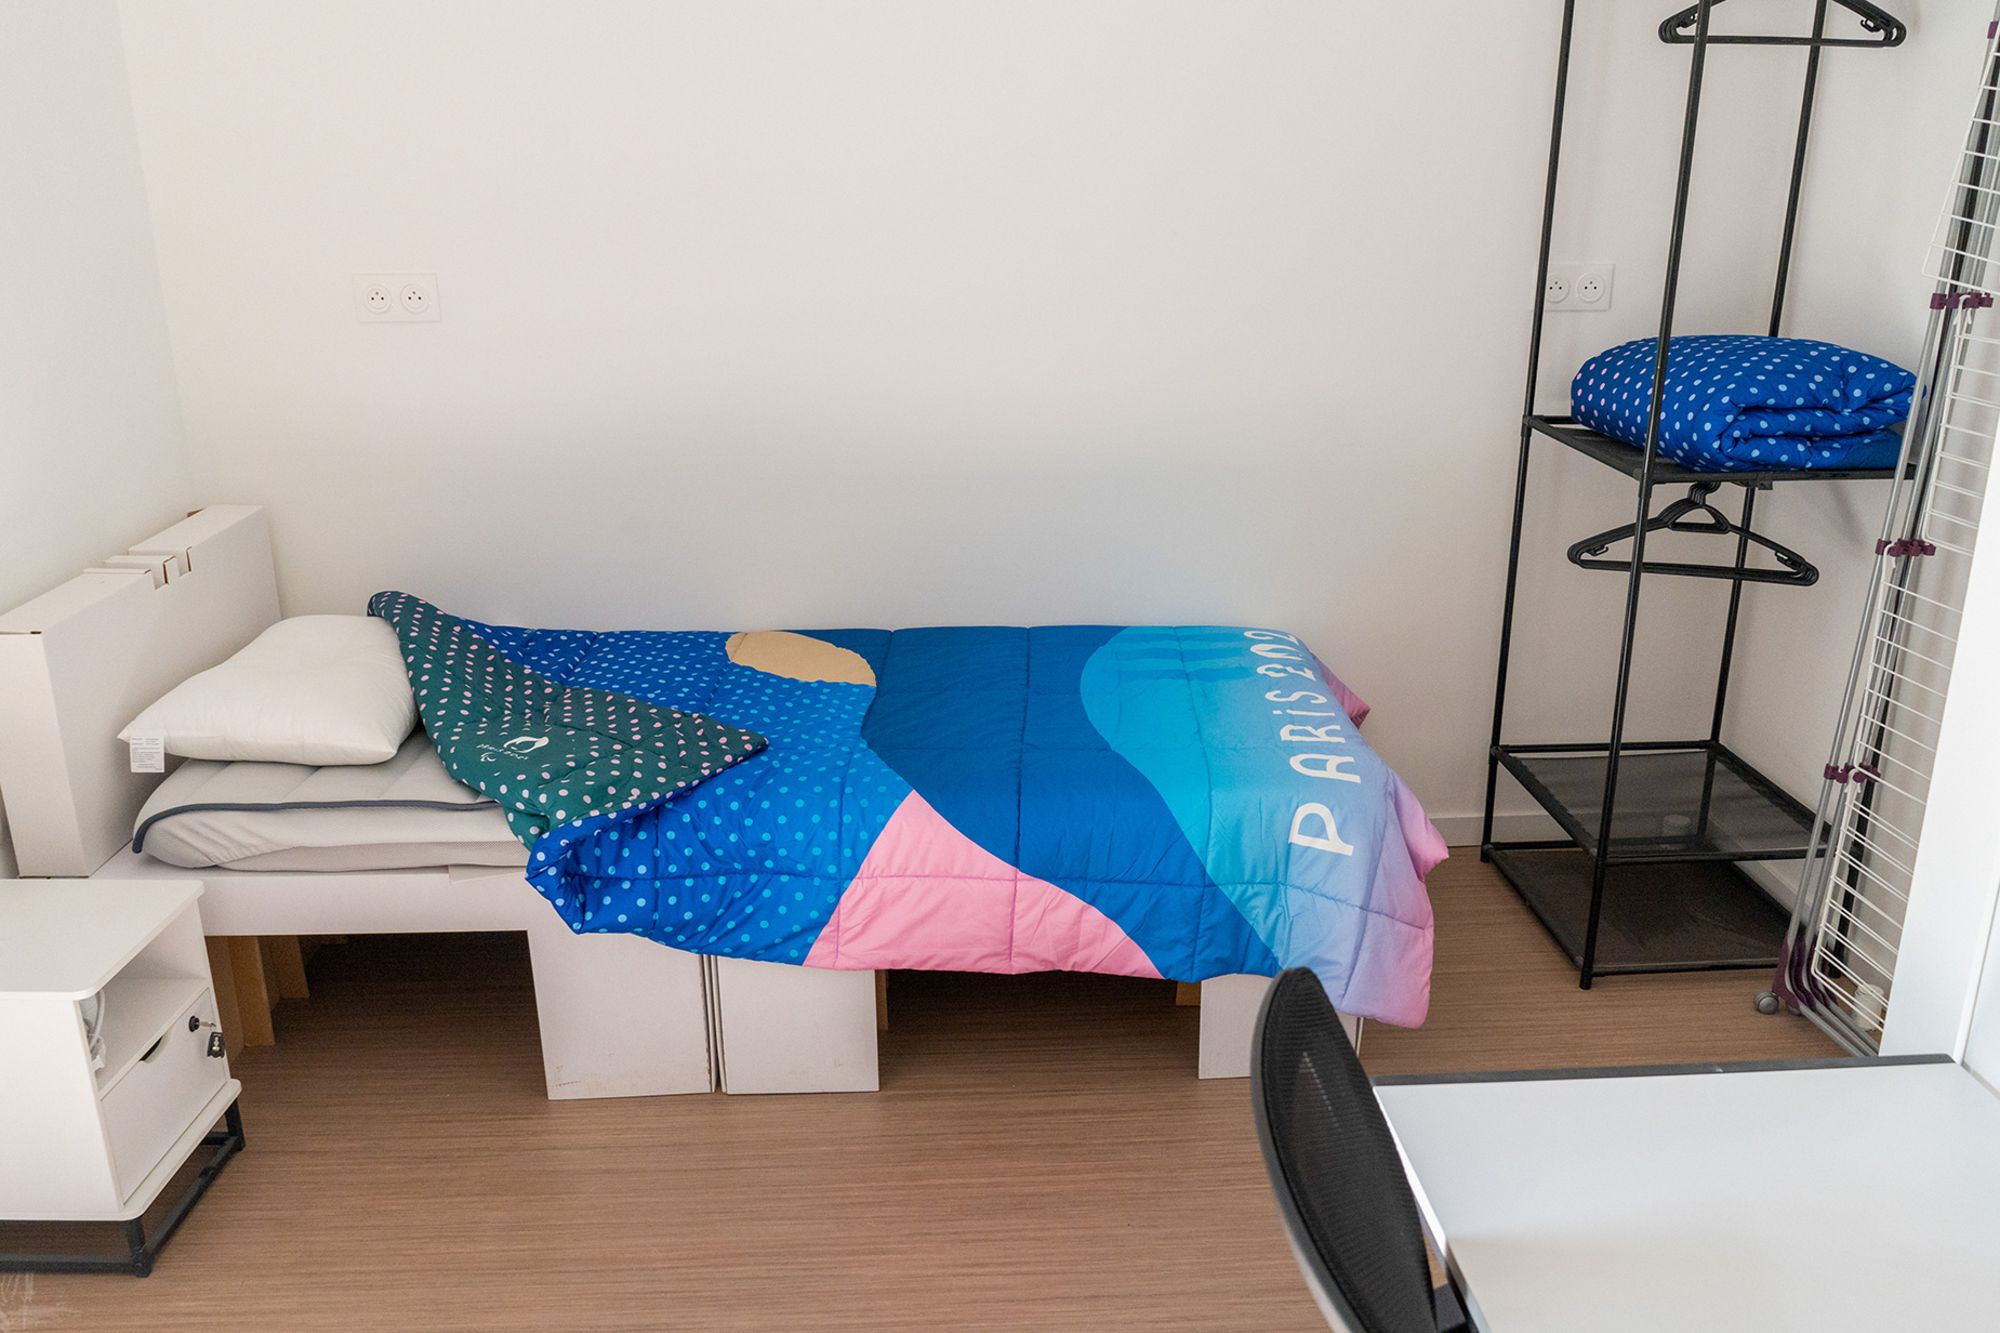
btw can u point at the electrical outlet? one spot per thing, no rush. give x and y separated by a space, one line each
1592 288
1573 286
396 298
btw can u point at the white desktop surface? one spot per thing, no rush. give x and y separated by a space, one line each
1857 1197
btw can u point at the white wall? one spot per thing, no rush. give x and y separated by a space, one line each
91 452
1982 1037
1888 134
786 313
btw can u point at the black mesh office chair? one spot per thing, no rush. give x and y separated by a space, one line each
1334 1167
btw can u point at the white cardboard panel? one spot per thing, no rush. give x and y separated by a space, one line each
794 1029
1229 1010
803 1029
619 1016
81 661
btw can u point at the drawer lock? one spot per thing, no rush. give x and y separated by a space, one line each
215 1048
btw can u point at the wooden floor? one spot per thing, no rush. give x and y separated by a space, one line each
1040 1155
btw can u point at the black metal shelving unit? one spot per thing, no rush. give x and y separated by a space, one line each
1647 877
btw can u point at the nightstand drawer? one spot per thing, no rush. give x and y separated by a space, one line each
154 1103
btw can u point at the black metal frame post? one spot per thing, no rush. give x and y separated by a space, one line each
1780 287
1527 432
1621 696
1541 769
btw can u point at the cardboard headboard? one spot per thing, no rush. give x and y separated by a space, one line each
78 663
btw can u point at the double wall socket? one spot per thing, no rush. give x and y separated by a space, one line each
396 298
1579 286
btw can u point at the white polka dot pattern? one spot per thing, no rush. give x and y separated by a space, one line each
1737 403
551 755
751 863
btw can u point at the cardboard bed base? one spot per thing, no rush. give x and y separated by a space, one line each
801 1029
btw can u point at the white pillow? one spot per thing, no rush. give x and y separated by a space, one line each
310 690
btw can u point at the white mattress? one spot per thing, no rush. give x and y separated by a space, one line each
403 814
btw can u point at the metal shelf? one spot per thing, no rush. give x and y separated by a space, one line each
1678 801
1654 887
1700 916
1628 459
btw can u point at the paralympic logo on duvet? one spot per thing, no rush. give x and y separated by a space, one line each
519 747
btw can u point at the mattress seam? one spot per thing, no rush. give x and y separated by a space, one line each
258 807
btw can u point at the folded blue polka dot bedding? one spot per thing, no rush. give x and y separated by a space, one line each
1741 403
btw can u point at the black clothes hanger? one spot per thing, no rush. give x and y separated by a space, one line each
1890 30
1696 515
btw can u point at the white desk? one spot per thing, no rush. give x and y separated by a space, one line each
1861 1197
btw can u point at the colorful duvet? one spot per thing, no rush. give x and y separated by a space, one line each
1162 802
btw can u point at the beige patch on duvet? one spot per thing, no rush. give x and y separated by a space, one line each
798 657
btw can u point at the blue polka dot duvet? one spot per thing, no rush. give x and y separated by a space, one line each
1180 802
1741 403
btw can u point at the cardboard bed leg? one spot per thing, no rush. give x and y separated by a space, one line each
285 966
253 990
223 977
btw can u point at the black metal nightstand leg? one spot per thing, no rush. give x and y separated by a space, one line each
142 1254
141 1249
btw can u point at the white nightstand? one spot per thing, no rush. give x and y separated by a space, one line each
90 1137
